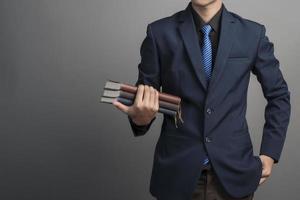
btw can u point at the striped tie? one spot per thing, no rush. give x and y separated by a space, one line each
207 51
206 59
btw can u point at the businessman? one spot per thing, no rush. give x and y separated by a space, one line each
205 54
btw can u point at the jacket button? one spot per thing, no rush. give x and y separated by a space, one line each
207 139
209 111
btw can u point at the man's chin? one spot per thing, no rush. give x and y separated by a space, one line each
203 3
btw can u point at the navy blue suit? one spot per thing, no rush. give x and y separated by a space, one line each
214 113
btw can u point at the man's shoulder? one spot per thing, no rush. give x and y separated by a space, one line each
246 22
166 22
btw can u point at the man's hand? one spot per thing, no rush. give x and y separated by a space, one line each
145 106
267 164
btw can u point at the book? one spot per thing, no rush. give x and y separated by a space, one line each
125 93
128 95
129 102
114 85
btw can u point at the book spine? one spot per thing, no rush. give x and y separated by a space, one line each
167 111
127 95
129 102
162 96
170 106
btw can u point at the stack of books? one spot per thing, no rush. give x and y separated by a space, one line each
125 93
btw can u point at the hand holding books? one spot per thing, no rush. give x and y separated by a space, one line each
145 105
141 105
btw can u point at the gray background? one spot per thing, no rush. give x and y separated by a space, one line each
58 142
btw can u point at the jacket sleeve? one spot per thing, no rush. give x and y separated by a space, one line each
275 91
148 74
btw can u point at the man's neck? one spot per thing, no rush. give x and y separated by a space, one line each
207 12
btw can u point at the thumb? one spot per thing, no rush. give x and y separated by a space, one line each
120 106
265 172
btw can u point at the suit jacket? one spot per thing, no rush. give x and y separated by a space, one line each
214 113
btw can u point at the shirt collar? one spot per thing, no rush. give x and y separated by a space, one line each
214 22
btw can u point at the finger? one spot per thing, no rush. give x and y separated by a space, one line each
265 172
146 95
152 97
139 94
121 106
262 180
156 100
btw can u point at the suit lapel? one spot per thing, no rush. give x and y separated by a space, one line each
191 42
226 39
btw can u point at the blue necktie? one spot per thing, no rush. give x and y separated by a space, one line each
206 59
207 51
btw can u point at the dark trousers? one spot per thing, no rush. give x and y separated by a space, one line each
209 188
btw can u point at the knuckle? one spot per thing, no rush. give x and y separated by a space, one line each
138 106
141 105
144 106
141 86
147 107
153 92
153 109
